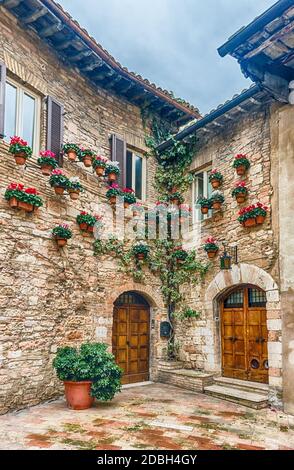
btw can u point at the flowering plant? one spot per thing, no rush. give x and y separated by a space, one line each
240 187
176 195
113 190
138 207
129 195
112 167
70 148
62 231
140 248
216 175
99 161
85 153
204 202
29 195
59 179
47 158
260 209
185 210
217 196
179 253
210 244
74 184
18 145
252 211
241 160
86 218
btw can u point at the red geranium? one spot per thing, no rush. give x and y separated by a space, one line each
47 154
128 191
16 187
17 140
31 191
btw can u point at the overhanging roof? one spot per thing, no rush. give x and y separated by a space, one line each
80 50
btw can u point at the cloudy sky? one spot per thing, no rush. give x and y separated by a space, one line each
173 42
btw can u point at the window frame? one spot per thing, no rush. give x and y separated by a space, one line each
136 153
22 90
195 193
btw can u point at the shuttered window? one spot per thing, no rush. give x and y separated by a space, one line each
136 174
118 154
55 127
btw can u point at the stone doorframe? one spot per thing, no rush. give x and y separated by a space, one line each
223 282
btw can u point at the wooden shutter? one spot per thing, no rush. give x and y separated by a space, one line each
118 154
55 127
2 98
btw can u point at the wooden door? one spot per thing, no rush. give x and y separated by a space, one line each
245 335
130 341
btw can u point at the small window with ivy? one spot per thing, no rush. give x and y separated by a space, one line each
201 188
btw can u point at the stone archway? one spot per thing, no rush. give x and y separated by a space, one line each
241 275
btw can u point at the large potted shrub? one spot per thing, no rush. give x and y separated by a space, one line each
71 150
59 181
112 171
240 192
241 164
88 372
23 198
61 233
20 150
211 247
216 200
74 187
205 204
99 164
215 179
47 162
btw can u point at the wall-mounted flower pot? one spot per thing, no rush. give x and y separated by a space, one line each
112 200
61 241
241 198
46 170
140 256
241 170
25 206
204 210
78 395
112 177
83 226
215 183
126 205
99 171
260 219
87 160
216 205
175 201
59 190
250 222
20 158
13 202
72 156
74 195
211 254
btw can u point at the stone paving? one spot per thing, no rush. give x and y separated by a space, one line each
150 417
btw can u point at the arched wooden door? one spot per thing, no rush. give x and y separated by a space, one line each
245 335
131 337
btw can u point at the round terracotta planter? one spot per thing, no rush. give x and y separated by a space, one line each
91 228
211 254
140 256
13 202
126 205
204 210
61 242
78 395
20 158
112 200
25 206
175 201
99 171
136 214
83 226
112 177
87 160
46 170
215 184
216 205
59 190
72 156
241 170
260 219
250 222
241 198
74 195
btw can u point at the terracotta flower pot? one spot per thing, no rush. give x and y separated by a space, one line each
90 228
112 177
61 241
204 210
211 254
240 198
78 395
59 190
20 158
175 201
140 256
260 219
83 226
216 205
136 213
241 170
87 160
250 222
74 195
25 206
13 202
46 170
126 205
112 200
99 171
215 184
72 155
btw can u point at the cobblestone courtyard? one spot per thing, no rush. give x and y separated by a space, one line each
149 417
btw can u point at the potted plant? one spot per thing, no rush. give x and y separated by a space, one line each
112 171
47 162
20 150
205 204
87 373
241 163
240 192
58 181
113 192
179 255
99 164
211 247
21 198
176 198
62 233
137 209
141 251
86 156
72 151
247 216
216 200
87 221
74 187
260 213
129 197
185 212
215 179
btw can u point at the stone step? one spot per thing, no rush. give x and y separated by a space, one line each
241 397
255 387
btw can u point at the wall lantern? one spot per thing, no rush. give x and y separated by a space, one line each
226 261
165 329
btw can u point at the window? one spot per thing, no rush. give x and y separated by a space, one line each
22 114
200 188
136 174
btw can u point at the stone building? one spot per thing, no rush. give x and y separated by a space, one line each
240 347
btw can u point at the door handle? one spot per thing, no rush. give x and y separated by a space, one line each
128 343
